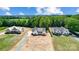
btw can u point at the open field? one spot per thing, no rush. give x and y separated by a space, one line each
65 43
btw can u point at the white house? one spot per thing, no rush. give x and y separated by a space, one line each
14 30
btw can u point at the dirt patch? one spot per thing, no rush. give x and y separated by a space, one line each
38 43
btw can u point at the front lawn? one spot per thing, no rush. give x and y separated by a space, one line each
65 43
6 41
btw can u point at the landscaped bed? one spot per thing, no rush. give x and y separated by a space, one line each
65 43
7 41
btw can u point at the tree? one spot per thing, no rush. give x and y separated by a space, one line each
75 16
72 24
58 21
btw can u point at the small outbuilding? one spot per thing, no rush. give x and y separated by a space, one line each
14 30
39 31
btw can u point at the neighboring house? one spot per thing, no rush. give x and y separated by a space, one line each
60 31
39 31
14 30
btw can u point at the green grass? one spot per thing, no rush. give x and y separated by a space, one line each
2 29
65 43
5 41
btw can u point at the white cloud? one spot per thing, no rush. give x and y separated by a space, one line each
48 11
8 13
21 13
5 8
77 10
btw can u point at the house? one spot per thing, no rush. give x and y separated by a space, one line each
14 30
39 31
60 31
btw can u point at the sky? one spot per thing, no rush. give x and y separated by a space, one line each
39 10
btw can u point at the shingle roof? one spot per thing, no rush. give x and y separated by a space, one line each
60 30
38 31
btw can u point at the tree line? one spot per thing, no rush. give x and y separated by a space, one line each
68 21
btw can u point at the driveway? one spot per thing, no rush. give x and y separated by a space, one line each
22 42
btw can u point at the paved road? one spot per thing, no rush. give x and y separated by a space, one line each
22 42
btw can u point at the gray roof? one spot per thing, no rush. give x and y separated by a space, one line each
60 31
38 31
14 29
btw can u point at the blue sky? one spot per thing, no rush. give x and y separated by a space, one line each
39 10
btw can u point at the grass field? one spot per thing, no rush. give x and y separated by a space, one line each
6 41
65 43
